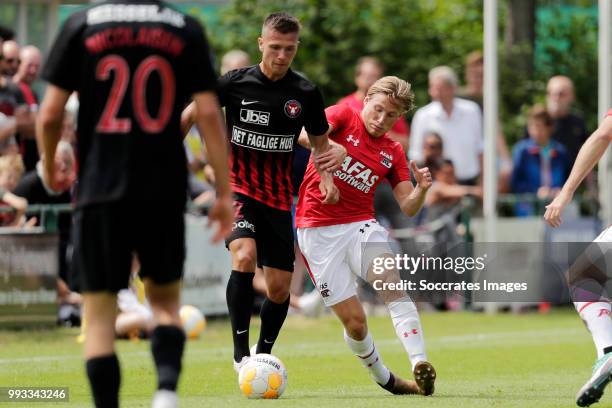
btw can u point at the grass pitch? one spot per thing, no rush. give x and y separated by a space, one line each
482 361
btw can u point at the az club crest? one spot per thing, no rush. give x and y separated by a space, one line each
293 108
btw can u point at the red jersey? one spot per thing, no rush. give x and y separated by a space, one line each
609 113
369 160
401 126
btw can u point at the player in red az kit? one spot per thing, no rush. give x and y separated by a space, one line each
331 236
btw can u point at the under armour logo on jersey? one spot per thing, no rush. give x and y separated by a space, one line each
350 139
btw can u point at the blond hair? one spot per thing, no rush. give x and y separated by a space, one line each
12 162
399 91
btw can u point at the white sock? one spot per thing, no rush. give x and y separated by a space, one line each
596 316
407 325
369 357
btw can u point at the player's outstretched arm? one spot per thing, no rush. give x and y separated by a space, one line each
409 198
49 128
591 151
207 115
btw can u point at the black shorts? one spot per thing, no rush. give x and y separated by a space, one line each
106 236
271 228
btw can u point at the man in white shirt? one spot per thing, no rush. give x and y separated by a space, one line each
458 121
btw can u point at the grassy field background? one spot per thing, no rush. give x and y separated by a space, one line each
482 361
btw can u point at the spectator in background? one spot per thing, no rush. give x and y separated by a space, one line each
10 62
367 71
445 193
33 188
433 149
474 78
473 90
5 35
26 74
569 128
11 170
234 59
458 121
541 164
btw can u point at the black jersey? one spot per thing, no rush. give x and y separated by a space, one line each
134 66
264 119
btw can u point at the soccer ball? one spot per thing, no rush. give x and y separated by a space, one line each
193 321
263 376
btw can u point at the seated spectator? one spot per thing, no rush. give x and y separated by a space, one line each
11 170
433 148
445 193
541 164
36 191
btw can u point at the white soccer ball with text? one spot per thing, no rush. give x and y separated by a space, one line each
263 376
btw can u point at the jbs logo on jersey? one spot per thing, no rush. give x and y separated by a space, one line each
262 141
255 117
356 174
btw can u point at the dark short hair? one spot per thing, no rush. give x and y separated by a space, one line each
6 33
539 112
282 22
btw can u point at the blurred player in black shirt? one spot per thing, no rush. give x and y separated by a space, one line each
267 105
134 66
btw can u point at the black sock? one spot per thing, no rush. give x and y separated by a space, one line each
272 318
167 345
240 295
607 350
104 378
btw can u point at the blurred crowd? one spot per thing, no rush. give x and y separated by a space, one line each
445 135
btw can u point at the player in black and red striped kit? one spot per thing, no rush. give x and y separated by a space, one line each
134 64
266 107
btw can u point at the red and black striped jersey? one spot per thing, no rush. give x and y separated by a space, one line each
264 119
135 64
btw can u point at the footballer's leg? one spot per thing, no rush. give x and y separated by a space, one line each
274 308
356 335
102 258
371 244
588 280
407 324
167 340
240 296
102 365
275 253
